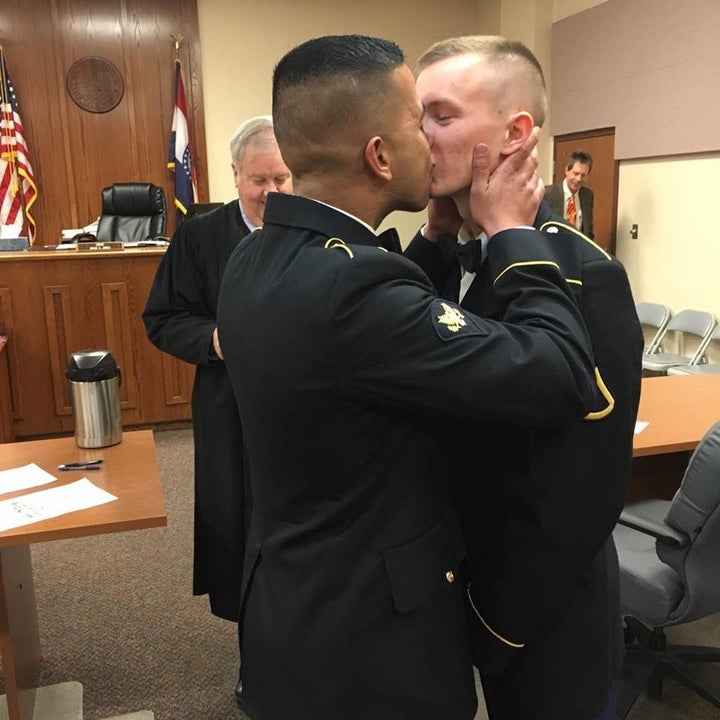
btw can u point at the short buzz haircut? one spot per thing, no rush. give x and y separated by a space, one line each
498 50
324 85
257 130
579 156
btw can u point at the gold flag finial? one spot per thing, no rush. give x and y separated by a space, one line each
177 39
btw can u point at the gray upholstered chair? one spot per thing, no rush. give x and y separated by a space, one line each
705 369
132 212
655 317
669 553
696 323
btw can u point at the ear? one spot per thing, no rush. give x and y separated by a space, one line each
517 130
236 174
377 158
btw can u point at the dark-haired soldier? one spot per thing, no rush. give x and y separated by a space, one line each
348 372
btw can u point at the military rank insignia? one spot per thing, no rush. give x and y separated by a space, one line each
451 322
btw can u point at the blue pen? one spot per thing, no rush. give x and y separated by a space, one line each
89 465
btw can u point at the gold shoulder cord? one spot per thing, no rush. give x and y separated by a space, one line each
525 264
600 414
334 242
517 646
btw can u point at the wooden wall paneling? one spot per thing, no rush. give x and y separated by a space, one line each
8 322
176 389
76 153
165 383
118 339
7 426
60 336
71 302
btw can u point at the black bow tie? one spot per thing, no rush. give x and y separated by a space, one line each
469 255
390 240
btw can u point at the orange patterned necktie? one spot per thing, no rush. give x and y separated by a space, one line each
571 212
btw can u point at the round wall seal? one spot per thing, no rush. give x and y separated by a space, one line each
95 84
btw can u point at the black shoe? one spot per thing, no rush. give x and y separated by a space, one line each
238 693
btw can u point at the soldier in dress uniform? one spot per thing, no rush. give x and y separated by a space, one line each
541 570
349 373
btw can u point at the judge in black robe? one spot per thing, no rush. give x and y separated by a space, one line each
180 320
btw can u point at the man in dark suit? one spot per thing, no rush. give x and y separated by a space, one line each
570 199
541 573
180 320
348 370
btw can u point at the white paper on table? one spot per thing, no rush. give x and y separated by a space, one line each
640 425
51 503
22 478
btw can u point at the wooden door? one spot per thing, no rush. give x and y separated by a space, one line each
603 179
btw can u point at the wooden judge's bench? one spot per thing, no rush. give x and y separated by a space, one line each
56 302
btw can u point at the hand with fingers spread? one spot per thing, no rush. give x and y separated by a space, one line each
509 196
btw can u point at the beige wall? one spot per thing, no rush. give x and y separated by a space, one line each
241 41
674 260
565 8
676 257
238 54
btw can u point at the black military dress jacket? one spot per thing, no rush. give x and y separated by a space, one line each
348 370
543 603
180 319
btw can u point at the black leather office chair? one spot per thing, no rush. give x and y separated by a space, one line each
132 212
669 553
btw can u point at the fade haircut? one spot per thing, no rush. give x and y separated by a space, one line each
579 156
324 86
257 131
512 55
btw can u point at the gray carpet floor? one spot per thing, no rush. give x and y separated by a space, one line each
117 615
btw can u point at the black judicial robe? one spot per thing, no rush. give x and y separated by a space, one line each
180 319
347 370
541 558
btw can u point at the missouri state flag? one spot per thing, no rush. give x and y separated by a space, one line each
180 160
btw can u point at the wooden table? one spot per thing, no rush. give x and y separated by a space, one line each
130 472
680 410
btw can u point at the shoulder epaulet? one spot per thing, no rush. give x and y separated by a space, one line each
555 226
335 243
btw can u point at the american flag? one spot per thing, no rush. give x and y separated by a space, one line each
18 191
181 160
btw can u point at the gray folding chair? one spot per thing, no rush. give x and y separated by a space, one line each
655 317
704 369
669 554
693 323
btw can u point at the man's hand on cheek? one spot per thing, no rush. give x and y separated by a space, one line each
510 195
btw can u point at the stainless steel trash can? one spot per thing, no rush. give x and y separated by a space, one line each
94 379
